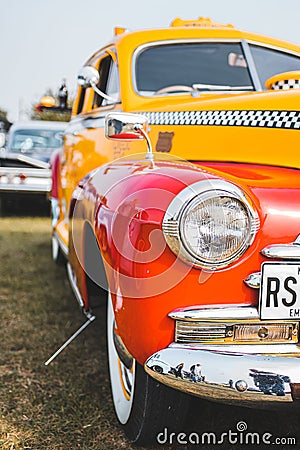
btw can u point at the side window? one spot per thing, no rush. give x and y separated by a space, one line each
270 62
108 82
80 100
113 88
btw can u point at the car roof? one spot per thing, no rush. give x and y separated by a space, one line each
198 28
38 125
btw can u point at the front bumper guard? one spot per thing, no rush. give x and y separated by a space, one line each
231 375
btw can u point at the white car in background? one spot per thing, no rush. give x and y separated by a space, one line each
25 161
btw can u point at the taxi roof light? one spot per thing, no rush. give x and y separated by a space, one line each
201 22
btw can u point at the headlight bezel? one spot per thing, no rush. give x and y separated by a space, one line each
208 188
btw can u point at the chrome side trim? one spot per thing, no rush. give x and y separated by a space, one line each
282 251
74 287
253 280
275 251
243 378
61 244
221 313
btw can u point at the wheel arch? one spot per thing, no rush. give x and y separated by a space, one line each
95 283
55 165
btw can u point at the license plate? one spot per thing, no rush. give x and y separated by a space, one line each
280 291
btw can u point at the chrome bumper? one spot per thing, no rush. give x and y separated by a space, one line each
30 189
231 374
33 181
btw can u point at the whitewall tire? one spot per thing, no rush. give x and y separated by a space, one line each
121 377
143 406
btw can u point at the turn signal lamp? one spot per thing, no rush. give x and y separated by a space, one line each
266 332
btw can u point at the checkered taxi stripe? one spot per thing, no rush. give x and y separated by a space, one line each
253 118
286 84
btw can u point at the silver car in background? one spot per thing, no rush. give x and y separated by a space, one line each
25 160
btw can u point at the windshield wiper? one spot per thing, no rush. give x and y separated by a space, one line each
220 87
199 87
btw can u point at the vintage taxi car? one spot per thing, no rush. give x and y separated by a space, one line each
178 191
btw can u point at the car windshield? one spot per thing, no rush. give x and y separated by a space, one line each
28 140
200 66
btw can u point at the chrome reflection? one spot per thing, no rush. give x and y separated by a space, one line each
253 280
289 252
205 313
128 127
230 377
268 382
283 251
121 350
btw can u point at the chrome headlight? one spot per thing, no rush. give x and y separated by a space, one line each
210 224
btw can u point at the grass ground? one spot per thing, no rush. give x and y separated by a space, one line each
67 405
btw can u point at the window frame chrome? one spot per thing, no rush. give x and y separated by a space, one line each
245 44
142 47
251 65
268 47
272 47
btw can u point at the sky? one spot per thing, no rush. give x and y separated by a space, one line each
44 41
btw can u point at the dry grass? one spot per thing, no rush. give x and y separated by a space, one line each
67 405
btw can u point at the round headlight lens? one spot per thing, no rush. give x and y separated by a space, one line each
215 229
210 223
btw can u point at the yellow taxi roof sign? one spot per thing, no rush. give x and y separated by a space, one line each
202 22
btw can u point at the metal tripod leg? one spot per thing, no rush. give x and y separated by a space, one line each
91 318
